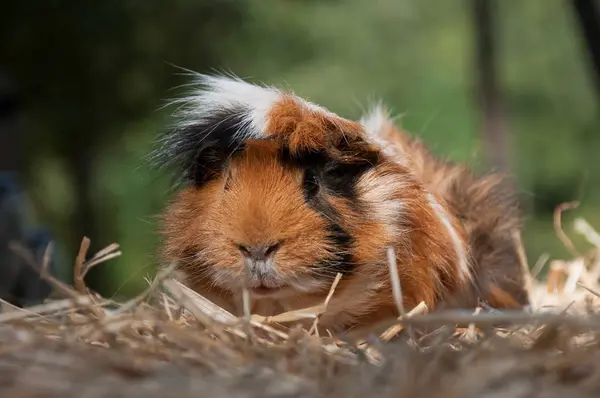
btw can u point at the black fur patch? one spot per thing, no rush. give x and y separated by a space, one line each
338 177
342 261
325 176
200 151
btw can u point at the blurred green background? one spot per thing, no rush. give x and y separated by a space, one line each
92 76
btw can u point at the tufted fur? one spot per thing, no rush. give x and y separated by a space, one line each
265 168
486 206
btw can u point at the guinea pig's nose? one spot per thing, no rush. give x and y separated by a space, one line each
259 253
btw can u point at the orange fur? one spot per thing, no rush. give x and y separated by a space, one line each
264 204
488 212
304 128
445 225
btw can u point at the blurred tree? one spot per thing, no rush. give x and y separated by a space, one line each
20 284
489 97
87 69
11 150
586 12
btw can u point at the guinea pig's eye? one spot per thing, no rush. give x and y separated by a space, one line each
336 171
340 178
310 183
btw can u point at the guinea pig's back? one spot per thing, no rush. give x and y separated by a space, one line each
488 211
485 205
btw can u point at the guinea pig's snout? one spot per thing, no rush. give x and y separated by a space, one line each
259 253
262 275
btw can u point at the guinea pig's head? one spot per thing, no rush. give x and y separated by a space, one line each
278 193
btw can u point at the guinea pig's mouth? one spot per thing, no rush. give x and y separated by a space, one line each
262 290
284 289
267 287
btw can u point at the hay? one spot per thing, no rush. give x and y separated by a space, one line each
170 341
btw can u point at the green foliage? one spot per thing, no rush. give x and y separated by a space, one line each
95 74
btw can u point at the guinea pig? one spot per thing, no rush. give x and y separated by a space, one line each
280 195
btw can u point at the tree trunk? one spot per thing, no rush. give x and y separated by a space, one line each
11 133
488 96
588 19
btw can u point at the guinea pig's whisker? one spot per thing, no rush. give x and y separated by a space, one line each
199 278
189 257
197 272
332 273
323 273
328 217
206 252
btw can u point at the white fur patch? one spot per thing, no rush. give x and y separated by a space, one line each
387 147
380 192
219 93
375 122
461 255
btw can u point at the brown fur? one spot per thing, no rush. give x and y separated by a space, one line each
258 200
303 128
488 210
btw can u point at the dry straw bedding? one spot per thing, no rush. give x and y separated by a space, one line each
171 342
